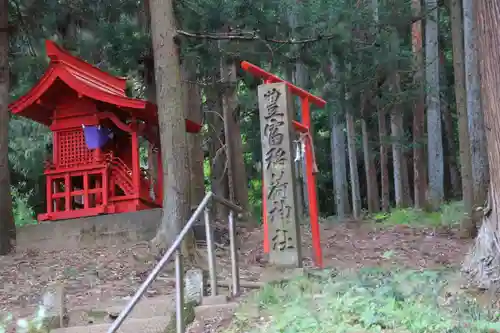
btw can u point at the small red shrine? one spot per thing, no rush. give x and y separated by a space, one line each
95 167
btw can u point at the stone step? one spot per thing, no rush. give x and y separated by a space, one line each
209 316
214 300
149 307
209 311
132 325
105 313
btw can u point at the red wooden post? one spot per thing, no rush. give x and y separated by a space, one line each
136 169
86 190
311 185
55 149
303 127
49 194
105 186
99 194
67 190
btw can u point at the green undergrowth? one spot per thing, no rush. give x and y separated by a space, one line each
371 300
449 214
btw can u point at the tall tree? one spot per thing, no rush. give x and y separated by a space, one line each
450 160
217 154
192 107
373 198
482 265
397 130
468 227
434 133
419 181
479 157
351 149
333 94
171 117
369 160
382 130
7 226
237 176
297 74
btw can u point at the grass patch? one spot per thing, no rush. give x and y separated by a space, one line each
449 214
371 300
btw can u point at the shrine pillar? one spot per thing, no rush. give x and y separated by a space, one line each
276 112
136 168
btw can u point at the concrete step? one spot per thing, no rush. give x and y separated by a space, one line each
132 325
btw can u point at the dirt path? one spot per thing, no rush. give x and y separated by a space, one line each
103 274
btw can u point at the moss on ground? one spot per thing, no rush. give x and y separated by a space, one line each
449 215
371 300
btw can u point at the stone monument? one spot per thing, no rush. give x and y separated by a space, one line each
275 108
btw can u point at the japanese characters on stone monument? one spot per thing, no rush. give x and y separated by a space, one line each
275 108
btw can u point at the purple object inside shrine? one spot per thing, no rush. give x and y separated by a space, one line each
96 136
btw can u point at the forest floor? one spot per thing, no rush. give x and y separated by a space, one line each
104 274
397 275
98 275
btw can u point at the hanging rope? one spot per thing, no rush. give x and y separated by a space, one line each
300 149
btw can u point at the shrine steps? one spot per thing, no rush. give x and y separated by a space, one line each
151 315
133 325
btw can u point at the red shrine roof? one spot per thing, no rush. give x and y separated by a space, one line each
86 80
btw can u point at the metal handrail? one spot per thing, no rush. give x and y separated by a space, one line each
175 248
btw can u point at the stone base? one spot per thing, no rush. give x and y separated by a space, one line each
88 232
274 275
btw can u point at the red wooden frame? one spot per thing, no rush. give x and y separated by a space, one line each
306 98
72 94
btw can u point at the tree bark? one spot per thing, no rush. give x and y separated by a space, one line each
382 132
419 179
351 149
434 132
449 131
353 167
193 109
370 172
148 79
301 79
217 153
397 157
340 163
298 76
334 96
237 176
482 265
290 76
397 130
477 135
7 225
384 159
467 225
176 210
